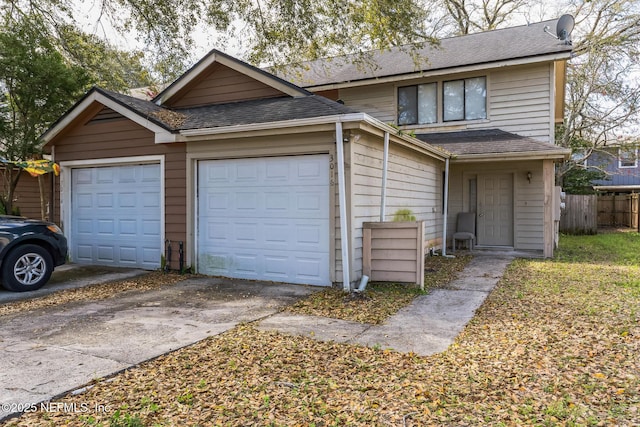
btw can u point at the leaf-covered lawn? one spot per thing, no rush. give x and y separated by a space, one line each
556 344
380 300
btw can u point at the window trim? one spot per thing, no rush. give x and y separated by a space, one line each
620 159
439 101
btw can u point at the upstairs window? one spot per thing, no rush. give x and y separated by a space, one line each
418 104
627 158
464 99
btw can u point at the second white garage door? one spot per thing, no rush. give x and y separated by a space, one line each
265 219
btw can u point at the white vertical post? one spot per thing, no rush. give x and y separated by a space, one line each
385 165
445 207
342 197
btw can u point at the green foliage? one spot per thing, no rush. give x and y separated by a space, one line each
579 180
108 67
403 215
37 85
125 420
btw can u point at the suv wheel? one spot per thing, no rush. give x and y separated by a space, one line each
26 268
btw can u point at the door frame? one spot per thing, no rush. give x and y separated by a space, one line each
467 176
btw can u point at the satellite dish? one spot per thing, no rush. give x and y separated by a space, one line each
564 28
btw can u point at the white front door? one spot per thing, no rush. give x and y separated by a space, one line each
265 219
115 216
495 210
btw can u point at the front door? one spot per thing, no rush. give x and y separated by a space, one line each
495 210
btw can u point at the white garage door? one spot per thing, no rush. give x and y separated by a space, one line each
115 216
265 219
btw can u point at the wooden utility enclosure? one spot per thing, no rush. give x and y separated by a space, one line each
394 251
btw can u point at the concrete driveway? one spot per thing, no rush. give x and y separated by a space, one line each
50 351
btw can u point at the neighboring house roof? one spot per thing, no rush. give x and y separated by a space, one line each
527 43
492 144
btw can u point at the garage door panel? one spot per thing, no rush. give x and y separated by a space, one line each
265 218
115 216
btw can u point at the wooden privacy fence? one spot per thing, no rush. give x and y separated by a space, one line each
580 215
618 210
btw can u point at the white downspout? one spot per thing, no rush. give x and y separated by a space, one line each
342 197
385 165
445 209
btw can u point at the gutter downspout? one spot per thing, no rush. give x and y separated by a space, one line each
342 196
385 166
445 209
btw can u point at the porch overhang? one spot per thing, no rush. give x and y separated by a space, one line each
493 145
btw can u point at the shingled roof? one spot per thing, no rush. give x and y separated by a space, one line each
233 113
526 41
488 142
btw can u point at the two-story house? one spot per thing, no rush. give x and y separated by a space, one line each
492 100
249 175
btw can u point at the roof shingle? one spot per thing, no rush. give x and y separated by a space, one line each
486 141
234 113
526 41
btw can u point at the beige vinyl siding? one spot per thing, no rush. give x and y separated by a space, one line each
414 181
219 86
528 198
118 137
376 100
529 207
520 101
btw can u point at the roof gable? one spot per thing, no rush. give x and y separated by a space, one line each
522 44
219 78
144 113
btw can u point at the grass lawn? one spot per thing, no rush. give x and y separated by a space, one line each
556 344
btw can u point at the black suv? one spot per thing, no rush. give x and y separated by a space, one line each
29 251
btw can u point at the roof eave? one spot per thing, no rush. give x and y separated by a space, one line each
560 154
162 134
565 55
409 141
616 187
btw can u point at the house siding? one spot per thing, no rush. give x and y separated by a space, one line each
608 161
27 196
414 182
376 100
519 100
528 199
221 85
119 137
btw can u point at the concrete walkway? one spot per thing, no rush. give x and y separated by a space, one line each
427 326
